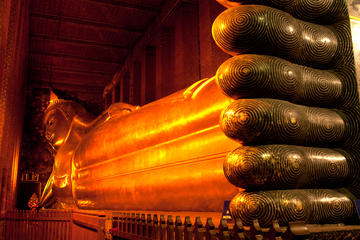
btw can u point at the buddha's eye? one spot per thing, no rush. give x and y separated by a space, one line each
50 122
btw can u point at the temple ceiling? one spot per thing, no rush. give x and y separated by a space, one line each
79 45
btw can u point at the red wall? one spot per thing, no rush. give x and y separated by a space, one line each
14 21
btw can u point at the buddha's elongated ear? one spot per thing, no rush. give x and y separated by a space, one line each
53 96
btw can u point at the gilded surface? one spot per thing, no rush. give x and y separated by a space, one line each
295 113
166 155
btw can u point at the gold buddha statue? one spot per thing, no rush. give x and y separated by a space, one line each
128 152
280 119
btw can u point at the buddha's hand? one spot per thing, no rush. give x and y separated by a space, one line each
296 109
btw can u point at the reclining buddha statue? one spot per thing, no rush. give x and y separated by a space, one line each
276 130
127 152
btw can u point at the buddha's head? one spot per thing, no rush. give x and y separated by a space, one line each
57 119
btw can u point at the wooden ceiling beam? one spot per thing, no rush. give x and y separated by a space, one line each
68 77
67 87
73 57
72 71
44 61
77 41
96 34
128 4
78 50
111 27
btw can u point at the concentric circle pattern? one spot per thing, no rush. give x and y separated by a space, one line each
353 125
320 11
248 76
352 156
319 71
344 66
285 166
255 121
311 206
260 29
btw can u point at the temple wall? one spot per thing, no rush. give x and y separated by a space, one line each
179 53
14 20
14 44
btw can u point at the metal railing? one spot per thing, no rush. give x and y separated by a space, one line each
34 225
145 227
88 225
54 225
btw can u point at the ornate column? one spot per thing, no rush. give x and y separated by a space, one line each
14 27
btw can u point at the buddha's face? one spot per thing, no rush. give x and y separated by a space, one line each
56 127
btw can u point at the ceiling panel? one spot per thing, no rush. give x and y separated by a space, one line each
60 76
83 43
67 87
141 4
95 11
46 61
41 25
76 49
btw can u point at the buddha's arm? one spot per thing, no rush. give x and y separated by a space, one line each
47 197
228 4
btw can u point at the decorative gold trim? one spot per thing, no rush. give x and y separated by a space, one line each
355 18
